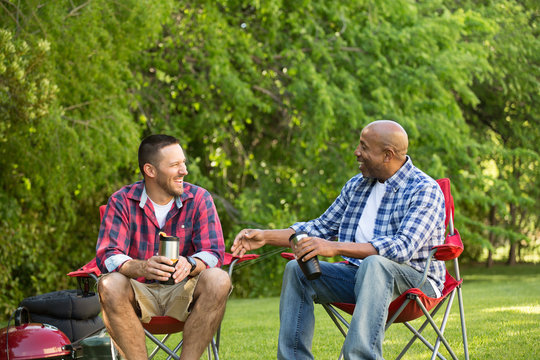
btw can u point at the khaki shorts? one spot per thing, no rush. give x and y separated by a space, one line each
164 300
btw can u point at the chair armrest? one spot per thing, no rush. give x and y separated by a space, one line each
231 260
89 270
287 256
451 249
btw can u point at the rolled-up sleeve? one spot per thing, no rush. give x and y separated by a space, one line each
113 240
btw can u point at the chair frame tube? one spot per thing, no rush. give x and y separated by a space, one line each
161 345
462 313
417 333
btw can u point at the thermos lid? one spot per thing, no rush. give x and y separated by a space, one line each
297 234
164 237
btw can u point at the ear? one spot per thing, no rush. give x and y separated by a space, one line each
150 170
388 155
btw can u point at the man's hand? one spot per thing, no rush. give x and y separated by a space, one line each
247 240
182 269
311 246
158 268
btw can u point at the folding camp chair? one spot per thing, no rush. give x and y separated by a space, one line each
158 325
413 303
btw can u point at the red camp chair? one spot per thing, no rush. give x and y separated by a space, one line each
413 303
158 325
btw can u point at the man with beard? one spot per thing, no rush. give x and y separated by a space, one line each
386 220
128 243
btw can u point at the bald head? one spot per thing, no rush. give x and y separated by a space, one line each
391 136
382 150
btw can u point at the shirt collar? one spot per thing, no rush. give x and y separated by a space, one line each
142 196
399 179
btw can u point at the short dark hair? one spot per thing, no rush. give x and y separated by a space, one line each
150 147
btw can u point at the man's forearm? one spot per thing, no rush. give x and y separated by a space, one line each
133 268
355 250
278 237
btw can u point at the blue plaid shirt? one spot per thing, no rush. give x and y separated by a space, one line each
410 220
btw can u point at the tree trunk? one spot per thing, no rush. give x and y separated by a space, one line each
492 237
513 215
512 254
489 262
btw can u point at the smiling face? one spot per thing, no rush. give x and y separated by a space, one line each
170 170
370 155
382 150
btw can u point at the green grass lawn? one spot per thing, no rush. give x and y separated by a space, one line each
502 309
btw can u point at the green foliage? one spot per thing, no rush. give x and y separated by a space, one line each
27 97
505 126
67 135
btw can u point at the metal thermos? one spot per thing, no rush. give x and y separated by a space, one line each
310 268
169 246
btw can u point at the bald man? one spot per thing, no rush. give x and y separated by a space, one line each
386 219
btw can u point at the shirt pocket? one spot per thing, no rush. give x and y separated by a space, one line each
184 231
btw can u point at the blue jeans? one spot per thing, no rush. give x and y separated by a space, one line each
371 286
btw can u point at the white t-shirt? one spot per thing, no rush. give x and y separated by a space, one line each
364 232
161 212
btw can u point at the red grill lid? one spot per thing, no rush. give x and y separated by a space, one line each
33 341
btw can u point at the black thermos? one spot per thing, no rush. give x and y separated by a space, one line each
310 268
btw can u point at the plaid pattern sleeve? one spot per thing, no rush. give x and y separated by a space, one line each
207 238
112 248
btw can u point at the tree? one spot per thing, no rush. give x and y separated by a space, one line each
505 124
67 134
27 97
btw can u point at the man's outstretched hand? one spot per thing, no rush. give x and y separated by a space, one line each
247 240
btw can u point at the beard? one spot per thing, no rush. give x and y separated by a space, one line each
370 170
167 184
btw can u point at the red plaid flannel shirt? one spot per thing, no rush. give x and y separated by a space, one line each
129 228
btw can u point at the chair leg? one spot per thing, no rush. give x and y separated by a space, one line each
435 327
114 353
418 336
161 345
336 318
177 348
341 354
443 325
418 332
398 312
212 349
463 328
461 312
156 349
218 336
